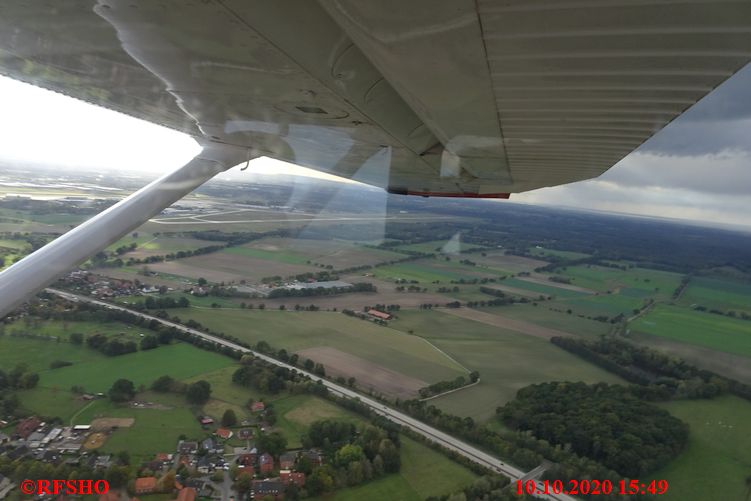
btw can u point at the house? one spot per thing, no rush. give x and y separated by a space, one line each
268 487
204 465
145 485
316 458
257 406
185 447
266 463
27 426
246 460
4 438
223 433
206 420
110 496
379 314
186 494
292 477
287 460
210 445
102 462
245 434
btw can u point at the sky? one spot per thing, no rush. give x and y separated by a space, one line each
698 168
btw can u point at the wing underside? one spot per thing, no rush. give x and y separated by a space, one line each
453 98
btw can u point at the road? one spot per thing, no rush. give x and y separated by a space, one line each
437 436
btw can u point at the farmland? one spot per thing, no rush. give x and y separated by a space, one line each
718 457
717 332
506 360
297 331
661 284
724 295
432 270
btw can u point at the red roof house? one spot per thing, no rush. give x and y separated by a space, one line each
266 463
292 477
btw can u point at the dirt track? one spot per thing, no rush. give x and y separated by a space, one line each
495 320
368 374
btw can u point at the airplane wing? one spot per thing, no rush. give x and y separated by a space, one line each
451 98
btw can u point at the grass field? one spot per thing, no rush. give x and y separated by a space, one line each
506 360
724 295
718 332
63 330
609 305
424 473
297 331
154 430
428 271
542 315
547 290
440 247
543 252
295 414
97 375
279 256
718 457
660 284
337 253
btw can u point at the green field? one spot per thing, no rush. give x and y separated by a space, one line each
154 430
660 284
432 270
718 332
280 256
439 246
718 458
37 354
424 473
542 315
610 305
295 414
507 361
548 290
63 329
723 295
180 361
297 331
543 252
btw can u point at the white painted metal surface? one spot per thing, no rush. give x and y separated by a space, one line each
37 270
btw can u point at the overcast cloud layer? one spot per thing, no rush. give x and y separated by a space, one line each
698 168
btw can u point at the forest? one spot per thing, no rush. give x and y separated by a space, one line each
604 422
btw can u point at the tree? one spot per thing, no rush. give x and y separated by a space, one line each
243 483
474 376
274 443
163 384
76 338
199 392
202 281
149 342
122 390
229 418
348 454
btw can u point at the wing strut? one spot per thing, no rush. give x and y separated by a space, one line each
34 272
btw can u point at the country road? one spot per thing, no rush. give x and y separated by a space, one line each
470 452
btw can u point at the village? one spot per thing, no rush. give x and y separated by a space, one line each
199 467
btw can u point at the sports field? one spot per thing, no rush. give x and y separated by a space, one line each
718 332
718 458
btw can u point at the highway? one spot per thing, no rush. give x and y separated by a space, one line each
429 432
